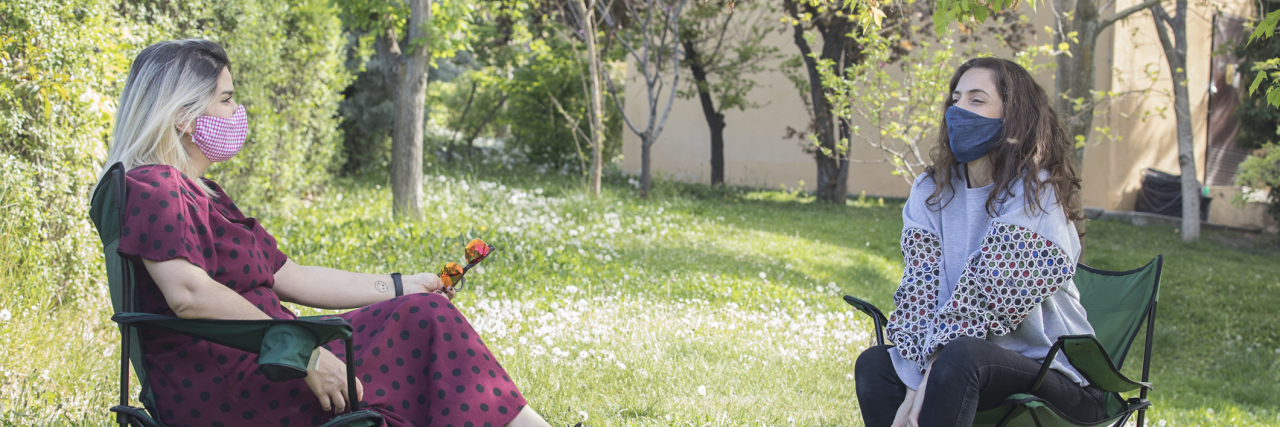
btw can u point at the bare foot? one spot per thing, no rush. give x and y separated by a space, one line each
528 418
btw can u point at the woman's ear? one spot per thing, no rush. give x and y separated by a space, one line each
185 128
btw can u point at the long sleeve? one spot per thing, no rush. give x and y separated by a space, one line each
917 296
1013 272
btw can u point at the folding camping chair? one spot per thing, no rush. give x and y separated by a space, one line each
283 346
1116 303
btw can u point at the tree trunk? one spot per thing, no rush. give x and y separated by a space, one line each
1076 74
586 20
1175 51
833 177
405 75
715 119
645 176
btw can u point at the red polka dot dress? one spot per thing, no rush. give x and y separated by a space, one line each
419 359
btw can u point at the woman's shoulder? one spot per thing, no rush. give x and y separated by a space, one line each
923 185
147 181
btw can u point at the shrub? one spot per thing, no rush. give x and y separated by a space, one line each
1262 170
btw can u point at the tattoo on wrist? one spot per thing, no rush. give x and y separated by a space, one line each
380 286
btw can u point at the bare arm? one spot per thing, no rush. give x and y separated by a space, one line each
330 288
192 294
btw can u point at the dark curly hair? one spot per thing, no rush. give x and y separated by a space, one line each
1034 140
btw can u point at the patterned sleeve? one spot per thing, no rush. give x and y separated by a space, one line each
917 295
1013 272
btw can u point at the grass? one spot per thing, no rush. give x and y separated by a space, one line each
697 307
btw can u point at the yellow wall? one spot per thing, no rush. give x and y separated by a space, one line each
757 155
1148 137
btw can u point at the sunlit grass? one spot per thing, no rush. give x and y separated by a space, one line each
698 307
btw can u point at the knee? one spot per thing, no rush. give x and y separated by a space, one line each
872 362
960 357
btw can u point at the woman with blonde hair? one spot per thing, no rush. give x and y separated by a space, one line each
418 361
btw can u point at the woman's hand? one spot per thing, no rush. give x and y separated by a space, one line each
909 412
328 380
900 420
426 283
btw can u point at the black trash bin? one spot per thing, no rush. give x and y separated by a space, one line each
1162 194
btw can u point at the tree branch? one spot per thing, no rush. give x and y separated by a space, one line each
1104 23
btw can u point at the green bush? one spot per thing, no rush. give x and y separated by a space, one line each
1262 170
1259 122
59 62
538 130
287 61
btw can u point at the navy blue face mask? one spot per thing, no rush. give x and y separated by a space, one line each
970 134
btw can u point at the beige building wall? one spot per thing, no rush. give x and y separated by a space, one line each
757 154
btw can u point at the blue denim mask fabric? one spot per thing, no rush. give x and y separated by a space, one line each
970 134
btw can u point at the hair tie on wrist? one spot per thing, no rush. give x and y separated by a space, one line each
395 278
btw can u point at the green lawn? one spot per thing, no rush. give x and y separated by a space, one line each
697 307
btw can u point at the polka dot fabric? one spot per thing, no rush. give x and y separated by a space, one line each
419 359
917 294
1013 272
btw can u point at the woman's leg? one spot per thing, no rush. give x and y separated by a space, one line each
880 392
528 418
972 374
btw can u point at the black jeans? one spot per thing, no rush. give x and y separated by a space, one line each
969 375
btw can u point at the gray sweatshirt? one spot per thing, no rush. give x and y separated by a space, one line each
1005 278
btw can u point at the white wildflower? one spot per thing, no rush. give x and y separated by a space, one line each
583 414
571 289
5 315
848 377
763 275
622 366
702 390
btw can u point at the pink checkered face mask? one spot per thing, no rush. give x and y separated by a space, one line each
221 138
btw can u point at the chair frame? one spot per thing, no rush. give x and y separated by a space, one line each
1138 404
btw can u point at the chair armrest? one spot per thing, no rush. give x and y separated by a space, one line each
283 346
1089 358
876 316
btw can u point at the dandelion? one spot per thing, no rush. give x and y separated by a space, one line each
1161 423
622 366
583 355
5 315
848 377
571 289
702 390
763 276
583 414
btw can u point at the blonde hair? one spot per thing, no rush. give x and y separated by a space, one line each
170 82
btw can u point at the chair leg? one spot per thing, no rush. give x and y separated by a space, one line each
1007 416
1123 418
1035 417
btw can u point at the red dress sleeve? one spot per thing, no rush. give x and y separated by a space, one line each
166 217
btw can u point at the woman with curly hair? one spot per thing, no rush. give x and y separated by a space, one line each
990 247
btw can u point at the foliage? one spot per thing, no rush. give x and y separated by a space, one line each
730 41
60 63
1270 68
368 112
293 134
1258 116
538 130
1261 169
900 109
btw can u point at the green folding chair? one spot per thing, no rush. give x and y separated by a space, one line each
283 346
1117 303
